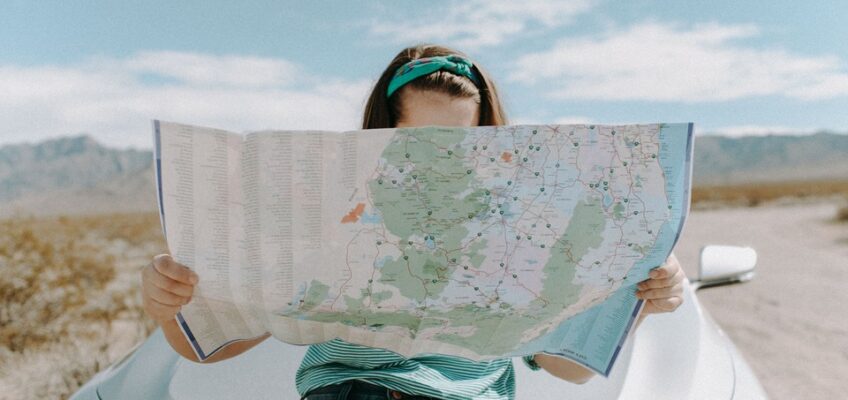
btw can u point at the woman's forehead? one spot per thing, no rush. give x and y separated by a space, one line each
428 107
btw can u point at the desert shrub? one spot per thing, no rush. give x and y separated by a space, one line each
135 228
54 371
69 298
43 284
754 194
842 214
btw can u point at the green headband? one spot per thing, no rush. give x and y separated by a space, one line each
423 66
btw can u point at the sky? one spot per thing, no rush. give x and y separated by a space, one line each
108 68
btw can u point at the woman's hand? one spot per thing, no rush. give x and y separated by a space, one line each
165 287
663 291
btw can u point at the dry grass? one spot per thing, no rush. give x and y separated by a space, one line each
842 214
755 194
69 298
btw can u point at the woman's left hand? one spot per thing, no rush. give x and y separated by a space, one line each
663 291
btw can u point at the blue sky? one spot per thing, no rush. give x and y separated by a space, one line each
107 68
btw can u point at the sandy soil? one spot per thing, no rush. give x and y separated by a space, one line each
790 322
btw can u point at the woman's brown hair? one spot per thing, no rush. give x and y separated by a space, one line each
384 112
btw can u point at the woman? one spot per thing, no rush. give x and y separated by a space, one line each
423 85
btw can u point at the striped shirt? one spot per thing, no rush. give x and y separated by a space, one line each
434 375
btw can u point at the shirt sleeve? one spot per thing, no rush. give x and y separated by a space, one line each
528 361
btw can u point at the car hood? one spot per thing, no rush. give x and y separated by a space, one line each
679 355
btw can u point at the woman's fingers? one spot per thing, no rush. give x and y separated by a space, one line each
663 271
167 284
667 269
165 287
167 298
166 265
674 279
660 293
663 291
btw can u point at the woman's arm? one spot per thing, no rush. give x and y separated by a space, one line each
179 343
166 286
563 368
662 292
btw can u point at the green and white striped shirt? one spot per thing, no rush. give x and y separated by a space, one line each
441 376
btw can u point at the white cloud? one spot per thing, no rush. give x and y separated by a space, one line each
661 62
477 23
758 130
563 120
114 99
573 119
203 69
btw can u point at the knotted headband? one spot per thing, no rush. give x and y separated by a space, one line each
423 66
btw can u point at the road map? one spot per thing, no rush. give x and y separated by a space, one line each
477 242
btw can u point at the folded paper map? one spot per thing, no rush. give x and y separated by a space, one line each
478 242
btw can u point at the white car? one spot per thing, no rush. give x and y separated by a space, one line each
679 355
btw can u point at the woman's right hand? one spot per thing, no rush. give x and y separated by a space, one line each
165 287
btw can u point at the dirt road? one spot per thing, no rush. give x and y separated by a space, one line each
791 321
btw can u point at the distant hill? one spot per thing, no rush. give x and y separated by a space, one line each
722 160
74 175
77 175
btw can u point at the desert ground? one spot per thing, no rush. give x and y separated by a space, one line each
71 302
70 298
789 322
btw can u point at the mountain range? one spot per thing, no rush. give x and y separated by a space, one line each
720 160
78 175
74 175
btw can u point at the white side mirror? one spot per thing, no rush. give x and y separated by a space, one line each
725 265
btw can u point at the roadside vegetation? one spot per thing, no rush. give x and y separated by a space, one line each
752 195
69 298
